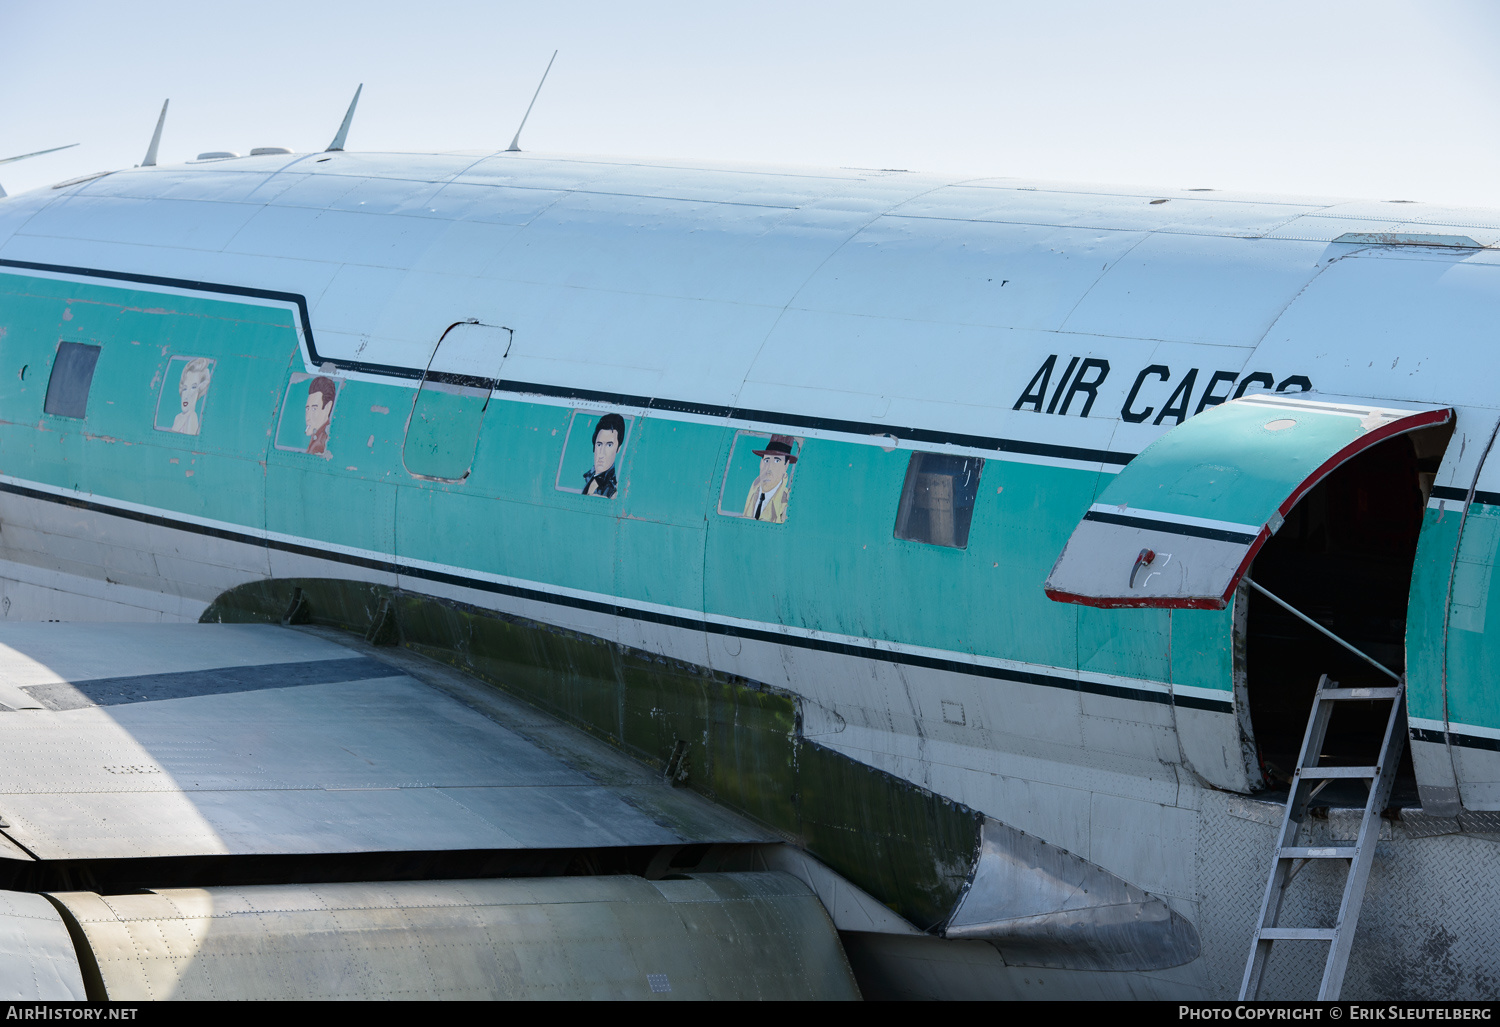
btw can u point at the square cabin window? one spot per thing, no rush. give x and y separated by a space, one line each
72 374
758 479
184 393
592 449
937 502
307 413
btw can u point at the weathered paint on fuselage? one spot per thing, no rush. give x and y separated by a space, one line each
868 316
834 568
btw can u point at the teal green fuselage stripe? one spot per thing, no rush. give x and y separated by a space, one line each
663 405
1471 660
834 567
651 616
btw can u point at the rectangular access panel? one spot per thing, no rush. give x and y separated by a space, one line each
1180 524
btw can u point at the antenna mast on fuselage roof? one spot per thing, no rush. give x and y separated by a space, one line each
338 140
150 161
37 153
515 144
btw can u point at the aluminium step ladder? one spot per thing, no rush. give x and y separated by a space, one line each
1307 782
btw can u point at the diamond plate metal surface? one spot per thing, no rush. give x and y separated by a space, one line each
1475 822
1429 927
1480 822
1423 825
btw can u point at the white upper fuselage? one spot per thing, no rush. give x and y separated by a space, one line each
852 308
862 298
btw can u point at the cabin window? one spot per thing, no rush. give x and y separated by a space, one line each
72 374
758 479
937 501
307 414
184 390
592 450
442 433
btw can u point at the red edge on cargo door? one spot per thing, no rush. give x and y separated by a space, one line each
1415 422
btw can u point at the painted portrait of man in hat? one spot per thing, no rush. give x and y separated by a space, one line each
770 491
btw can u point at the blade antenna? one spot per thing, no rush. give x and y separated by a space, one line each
337 145
150 161
515 144
38 153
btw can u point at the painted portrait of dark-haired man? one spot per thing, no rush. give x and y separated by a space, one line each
321 393
609 439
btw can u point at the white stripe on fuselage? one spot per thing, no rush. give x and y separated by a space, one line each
1174 518
874 647
1455 727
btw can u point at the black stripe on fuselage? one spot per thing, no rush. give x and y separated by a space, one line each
1171 527
1423 734
1462 495
617 610
922 435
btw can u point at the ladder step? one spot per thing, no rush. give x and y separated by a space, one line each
1359 693
1296 933
1308 781
1367 773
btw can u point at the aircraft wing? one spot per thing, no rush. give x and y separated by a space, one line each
240 760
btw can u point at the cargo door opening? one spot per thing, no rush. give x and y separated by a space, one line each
1316 499
1343 557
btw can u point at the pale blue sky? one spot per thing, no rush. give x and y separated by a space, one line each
1375 98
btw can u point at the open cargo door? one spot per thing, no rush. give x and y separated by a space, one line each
1180 524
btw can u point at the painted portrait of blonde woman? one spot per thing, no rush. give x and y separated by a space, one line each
192 387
